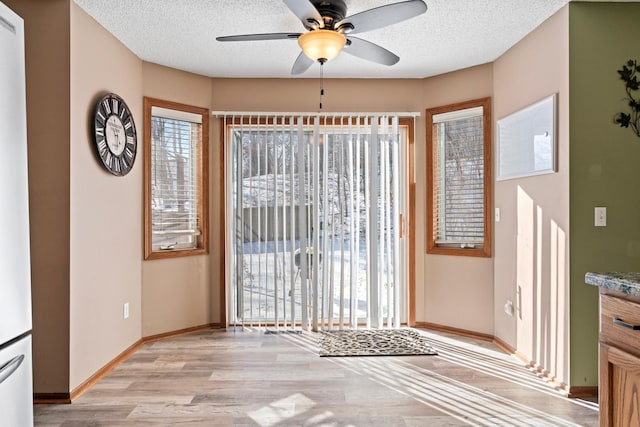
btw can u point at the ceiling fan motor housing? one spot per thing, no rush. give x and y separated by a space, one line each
332 11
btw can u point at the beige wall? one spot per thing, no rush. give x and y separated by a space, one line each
177 292
531 240
47 73
304 94
451 290
106 211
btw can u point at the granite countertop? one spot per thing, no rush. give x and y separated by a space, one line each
626 283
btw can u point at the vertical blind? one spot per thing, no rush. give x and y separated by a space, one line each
313 217
459 187
175 150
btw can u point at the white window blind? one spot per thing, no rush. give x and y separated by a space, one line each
175 150
459 168
313 220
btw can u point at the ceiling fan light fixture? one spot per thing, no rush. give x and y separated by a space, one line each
322 44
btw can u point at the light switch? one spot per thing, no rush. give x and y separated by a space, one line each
601 217
497 214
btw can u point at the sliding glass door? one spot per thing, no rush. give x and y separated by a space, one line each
315 213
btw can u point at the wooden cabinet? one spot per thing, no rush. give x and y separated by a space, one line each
619 361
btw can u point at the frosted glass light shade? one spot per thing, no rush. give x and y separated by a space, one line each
322 44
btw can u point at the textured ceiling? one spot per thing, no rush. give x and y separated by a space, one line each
451 35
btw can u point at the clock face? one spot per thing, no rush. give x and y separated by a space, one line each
115 134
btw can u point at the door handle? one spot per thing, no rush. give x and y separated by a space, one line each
10 367
620 322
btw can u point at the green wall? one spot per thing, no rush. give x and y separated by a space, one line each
604 166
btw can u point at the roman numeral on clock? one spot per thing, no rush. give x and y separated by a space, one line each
106 106
128 155
114 164
102 148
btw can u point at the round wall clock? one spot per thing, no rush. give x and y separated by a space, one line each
115 134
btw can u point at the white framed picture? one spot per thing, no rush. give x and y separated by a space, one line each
527 141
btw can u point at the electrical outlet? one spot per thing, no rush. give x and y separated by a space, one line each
125 310
508 307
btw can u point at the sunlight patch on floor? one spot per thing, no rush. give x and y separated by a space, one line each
455 398
282 410
460 400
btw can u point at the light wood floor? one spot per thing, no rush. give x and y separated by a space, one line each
249 378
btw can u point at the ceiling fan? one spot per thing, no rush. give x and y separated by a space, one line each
329 30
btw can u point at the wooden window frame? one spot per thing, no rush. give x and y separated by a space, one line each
432 247
202 241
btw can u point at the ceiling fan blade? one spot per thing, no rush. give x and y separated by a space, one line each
305 11
370 51
266 36
302 64
382 16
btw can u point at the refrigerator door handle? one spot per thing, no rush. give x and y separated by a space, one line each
10 367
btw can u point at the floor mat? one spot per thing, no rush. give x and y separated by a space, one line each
374 342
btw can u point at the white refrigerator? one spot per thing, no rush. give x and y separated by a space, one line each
16 378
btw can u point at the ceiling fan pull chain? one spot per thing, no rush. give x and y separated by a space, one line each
321 81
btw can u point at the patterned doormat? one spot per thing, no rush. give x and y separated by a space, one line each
374 342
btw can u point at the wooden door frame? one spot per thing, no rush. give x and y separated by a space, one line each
411 182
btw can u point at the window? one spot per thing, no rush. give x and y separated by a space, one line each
459 179
314 211
176 140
